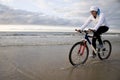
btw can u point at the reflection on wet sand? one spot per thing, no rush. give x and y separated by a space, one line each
96 70
51 63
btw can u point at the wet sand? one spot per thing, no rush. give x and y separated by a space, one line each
51 63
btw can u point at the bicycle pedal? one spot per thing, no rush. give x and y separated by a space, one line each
103 49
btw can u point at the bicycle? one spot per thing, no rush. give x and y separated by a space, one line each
79 52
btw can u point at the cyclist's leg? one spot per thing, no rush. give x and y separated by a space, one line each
101 30
94 41
94 44
99 40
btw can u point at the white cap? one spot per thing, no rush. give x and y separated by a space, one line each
94 8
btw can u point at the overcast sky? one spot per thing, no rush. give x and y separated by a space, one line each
65 8
69 9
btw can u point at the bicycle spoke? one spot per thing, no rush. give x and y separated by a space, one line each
76 57
106 51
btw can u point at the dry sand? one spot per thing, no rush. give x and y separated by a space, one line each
51 63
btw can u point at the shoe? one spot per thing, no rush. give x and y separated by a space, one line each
94 55
101 49
100 46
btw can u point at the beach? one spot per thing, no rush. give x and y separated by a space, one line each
46 58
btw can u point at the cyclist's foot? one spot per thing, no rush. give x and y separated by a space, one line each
100 46
93 55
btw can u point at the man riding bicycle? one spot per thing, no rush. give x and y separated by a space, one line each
100 26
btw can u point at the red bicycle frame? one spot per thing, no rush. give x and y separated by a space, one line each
82 48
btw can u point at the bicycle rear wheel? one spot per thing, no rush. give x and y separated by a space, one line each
75 55
106 51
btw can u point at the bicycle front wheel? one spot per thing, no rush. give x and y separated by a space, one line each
106 51
78 53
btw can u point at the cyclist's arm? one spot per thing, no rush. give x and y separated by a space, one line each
100 22
86 23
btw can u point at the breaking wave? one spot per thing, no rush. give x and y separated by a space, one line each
41 38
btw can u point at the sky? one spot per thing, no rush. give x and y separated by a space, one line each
64 8
68 9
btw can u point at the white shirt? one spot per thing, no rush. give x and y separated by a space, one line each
98 21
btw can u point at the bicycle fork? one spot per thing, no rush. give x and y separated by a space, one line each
82 48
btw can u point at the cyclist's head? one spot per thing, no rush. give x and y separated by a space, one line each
94 10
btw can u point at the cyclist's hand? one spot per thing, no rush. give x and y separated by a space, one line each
91 30
78 30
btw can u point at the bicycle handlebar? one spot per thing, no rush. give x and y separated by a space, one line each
85 31
81 31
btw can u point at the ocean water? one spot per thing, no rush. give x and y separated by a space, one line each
37 38
42 35
44 38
